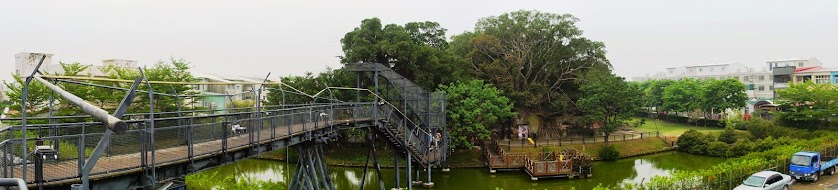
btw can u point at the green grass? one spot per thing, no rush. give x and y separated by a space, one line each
669 128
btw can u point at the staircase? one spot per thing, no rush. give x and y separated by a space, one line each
412 116
419 142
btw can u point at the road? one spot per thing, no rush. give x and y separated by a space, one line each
826 182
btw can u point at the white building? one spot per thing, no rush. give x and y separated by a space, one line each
3 93
758 81
25 62
238 90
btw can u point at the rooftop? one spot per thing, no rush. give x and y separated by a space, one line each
789 59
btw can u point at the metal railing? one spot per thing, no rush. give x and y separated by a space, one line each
174 139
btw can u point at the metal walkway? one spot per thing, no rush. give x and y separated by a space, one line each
150 150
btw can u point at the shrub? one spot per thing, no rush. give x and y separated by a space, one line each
609 152
718 149
741 148
693 142
728 136
759 128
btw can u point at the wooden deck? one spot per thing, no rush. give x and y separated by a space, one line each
64 172
499 159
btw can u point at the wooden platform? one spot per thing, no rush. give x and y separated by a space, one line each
499 159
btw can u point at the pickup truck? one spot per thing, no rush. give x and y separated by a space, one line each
811 165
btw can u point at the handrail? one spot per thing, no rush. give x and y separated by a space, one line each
21 185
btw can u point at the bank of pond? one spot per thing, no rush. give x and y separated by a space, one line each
634 169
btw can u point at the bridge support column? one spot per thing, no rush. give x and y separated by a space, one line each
312 171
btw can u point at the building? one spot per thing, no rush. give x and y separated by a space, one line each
215 96
758 81
785 69
3 93
25 62
762 83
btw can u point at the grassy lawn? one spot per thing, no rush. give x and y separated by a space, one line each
626 148
671 129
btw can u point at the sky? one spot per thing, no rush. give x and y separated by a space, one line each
289 37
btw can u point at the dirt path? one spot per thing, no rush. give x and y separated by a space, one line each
826 182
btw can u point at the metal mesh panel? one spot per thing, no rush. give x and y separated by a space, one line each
206 138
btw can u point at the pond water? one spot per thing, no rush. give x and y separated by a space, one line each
607 173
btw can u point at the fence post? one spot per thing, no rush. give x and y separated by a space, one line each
641 135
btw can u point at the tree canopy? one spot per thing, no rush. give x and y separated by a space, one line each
809 104
682 96
176 70
418 50
473 109
534 57
609 100
719 95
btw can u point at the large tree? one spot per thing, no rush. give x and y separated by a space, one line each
418 50
719 95
534 57
173 70
609 100
653 93
473 108
682 96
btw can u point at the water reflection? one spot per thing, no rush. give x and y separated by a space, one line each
635 169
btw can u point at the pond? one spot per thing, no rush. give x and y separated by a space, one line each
635 169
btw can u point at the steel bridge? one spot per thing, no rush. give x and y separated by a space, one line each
154 150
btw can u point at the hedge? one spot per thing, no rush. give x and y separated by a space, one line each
685 120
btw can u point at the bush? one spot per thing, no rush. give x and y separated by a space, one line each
609 152
759 128
693 142
718 149
741 148
728 136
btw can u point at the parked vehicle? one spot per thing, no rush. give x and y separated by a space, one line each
811 165
766 180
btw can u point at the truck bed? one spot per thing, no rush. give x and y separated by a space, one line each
829 164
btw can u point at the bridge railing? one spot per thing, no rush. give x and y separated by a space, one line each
172 139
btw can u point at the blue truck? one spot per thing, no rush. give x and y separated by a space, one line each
811 165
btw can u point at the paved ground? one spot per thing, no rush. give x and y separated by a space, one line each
826 182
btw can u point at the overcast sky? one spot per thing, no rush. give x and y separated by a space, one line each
285 37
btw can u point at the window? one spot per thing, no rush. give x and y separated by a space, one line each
822 79
773 179
800 64
761 87
770 87
814 161
700 69
761 78
723 68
